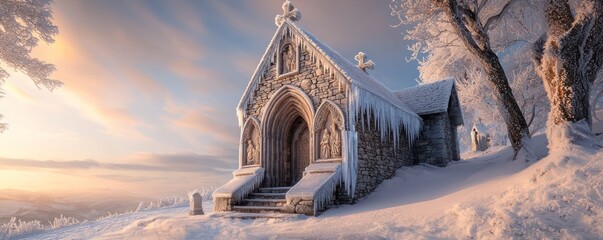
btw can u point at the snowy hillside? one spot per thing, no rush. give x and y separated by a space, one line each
45 206
486 196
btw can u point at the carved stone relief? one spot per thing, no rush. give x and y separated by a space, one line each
335 142
325 144
288 59
251 152
251 143
328 127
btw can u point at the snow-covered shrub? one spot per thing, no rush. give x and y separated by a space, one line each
111 215
14 228
63 222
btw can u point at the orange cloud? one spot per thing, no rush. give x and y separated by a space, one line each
203 120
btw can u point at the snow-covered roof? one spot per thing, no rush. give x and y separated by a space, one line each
427 98
357 76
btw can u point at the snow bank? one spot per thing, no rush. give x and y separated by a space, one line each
559 197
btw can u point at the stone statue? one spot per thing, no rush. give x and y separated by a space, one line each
251 151
325 145
336 147
288 59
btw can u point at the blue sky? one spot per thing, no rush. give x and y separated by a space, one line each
154 85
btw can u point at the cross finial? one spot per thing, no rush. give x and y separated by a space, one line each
361 57
289 11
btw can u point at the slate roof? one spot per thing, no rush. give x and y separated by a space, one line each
427 98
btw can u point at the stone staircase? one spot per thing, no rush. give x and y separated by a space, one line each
269 199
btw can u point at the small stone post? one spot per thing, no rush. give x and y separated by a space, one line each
196 204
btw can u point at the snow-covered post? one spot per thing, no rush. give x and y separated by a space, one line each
196 203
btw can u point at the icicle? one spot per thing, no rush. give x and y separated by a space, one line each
324 193
386 117
350 161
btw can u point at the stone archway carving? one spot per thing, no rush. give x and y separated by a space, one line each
329 126
250 142
288 112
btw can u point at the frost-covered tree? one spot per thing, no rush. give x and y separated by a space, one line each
22 24
527 87
471 25
569 58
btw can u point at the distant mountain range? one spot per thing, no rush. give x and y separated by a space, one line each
45 206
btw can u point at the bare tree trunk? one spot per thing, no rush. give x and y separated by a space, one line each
569 57
474 36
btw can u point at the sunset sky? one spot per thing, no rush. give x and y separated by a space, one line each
151 88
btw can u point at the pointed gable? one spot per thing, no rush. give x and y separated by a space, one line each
365 93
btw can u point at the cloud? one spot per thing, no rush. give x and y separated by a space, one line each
143 174
141 162
125 178
204 120
120 60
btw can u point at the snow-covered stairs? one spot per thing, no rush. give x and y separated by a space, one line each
270 199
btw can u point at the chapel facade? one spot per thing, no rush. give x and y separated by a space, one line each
318 130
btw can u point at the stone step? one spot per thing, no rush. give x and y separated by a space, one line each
257 215
264 202
268 195
274 189
256 209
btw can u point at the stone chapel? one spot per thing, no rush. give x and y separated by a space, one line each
318 130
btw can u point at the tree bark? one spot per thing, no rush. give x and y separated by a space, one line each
474 36
569 57
517 128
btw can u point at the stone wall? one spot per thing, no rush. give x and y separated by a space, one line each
430 146
437 143
310 79
377 161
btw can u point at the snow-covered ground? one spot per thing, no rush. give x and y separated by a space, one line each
485 196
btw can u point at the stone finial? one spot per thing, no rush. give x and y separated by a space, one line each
196 204
289 11
361 57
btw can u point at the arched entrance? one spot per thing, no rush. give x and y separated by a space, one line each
298 150
287 138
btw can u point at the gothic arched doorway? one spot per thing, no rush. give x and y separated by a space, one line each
298 150
286 137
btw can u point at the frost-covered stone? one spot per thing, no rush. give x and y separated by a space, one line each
196 204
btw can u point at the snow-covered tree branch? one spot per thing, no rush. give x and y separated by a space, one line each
22 25
485 29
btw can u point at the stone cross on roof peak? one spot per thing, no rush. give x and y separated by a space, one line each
361 57
289 11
